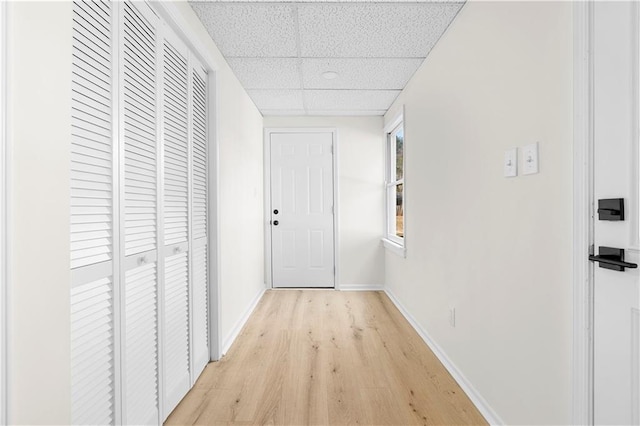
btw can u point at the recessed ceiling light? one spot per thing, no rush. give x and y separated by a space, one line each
330 75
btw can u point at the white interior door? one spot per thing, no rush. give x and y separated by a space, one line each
616 293
302 221
176 343
94 300
199 223
139 201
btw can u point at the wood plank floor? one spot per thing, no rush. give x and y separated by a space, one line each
322 358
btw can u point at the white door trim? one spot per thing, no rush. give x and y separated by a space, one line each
582 381
4 164
181 26
267 196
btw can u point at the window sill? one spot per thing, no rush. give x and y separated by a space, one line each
394 247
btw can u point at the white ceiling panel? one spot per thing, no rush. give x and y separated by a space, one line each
267 73
344 100
250 30
359 73
277 99
383 30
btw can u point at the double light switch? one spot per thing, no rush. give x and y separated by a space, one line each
529 160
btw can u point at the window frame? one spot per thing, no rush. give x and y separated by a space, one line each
391 240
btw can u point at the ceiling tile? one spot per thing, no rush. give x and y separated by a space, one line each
340 100
267 73
384 30
250 30
370 73
277 99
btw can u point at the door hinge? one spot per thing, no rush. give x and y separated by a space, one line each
331 150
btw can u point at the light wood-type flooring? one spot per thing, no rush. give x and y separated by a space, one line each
326 357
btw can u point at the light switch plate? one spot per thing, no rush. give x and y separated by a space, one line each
530 159
511 162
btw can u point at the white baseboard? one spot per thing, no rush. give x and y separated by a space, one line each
360 287
235 331
481 404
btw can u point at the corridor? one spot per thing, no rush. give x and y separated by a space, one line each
326 357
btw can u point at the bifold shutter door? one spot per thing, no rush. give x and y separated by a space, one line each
199 211
139 83
139 253
93 370
176 341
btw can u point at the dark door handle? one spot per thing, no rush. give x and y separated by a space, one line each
275 211
615 262
275 222
612 258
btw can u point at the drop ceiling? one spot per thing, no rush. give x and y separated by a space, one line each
279 50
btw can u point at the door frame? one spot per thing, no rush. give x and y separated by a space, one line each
268 131
583 200
4 246
582 371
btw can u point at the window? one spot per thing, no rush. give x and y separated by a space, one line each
395 183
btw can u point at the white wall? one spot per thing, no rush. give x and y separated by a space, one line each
496 249
39 60
361 194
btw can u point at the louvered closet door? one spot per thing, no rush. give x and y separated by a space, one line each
199 223
139 197
176 341
93 335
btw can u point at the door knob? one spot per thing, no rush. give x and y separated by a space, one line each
275 222
275 211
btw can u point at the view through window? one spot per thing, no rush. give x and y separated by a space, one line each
395 184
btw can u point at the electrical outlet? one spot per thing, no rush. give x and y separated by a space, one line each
452 317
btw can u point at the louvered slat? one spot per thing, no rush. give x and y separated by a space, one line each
176 329
91 136
175 145
141 367
92 373
139 118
